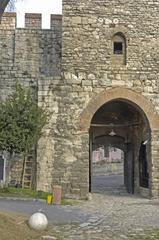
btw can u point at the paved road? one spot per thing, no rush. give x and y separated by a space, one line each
62 214
111 183
56 214
105 217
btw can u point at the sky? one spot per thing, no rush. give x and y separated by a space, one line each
46 7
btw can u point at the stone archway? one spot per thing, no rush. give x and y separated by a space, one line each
144 107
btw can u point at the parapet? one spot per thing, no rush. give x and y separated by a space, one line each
32 21
56 21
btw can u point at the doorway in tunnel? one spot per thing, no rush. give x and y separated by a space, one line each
119 150
108 163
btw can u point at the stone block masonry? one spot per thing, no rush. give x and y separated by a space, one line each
74 68
32 51
33 21
8 21
88 28
31 56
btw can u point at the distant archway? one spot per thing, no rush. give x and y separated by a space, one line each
107 164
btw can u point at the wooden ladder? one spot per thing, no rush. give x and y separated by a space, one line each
27 171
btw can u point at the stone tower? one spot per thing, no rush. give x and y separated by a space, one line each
109 80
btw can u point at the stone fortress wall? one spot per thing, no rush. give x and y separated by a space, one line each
31 56
42 47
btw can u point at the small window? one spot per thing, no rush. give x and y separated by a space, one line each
118 48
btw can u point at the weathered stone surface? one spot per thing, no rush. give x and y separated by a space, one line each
88 47
32 56
81 75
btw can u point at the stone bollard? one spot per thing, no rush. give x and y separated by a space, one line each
57 192
38 221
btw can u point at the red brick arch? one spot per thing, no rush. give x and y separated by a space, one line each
142 103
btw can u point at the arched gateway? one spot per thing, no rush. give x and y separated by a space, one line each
126 120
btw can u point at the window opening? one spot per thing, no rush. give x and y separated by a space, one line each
118 48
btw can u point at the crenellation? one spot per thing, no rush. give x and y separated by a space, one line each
33 20
8 21
56 23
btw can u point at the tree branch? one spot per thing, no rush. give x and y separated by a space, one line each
3 4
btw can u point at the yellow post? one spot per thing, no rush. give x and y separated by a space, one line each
49 199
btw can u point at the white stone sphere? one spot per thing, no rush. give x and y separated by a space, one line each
38 221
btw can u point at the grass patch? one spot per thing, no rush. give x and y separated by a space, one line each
23 193
29 193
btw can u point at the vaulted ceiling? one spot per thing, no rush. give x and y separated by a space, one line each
116 112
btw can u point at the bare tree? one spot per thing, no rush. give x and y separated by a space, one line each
3 4
9 4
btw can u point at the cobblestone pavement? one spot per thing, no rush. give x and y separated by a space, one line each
113 217
105 183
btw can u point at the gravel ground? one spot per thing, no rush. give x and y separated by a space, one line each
114 217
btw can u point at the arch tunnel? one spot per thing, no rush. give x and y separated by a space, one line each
122 127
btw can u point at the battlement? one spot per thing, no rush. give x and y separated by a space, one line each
32 21
8 21
56 21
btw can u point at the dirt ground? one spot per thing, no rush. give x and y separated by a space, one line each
14 227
